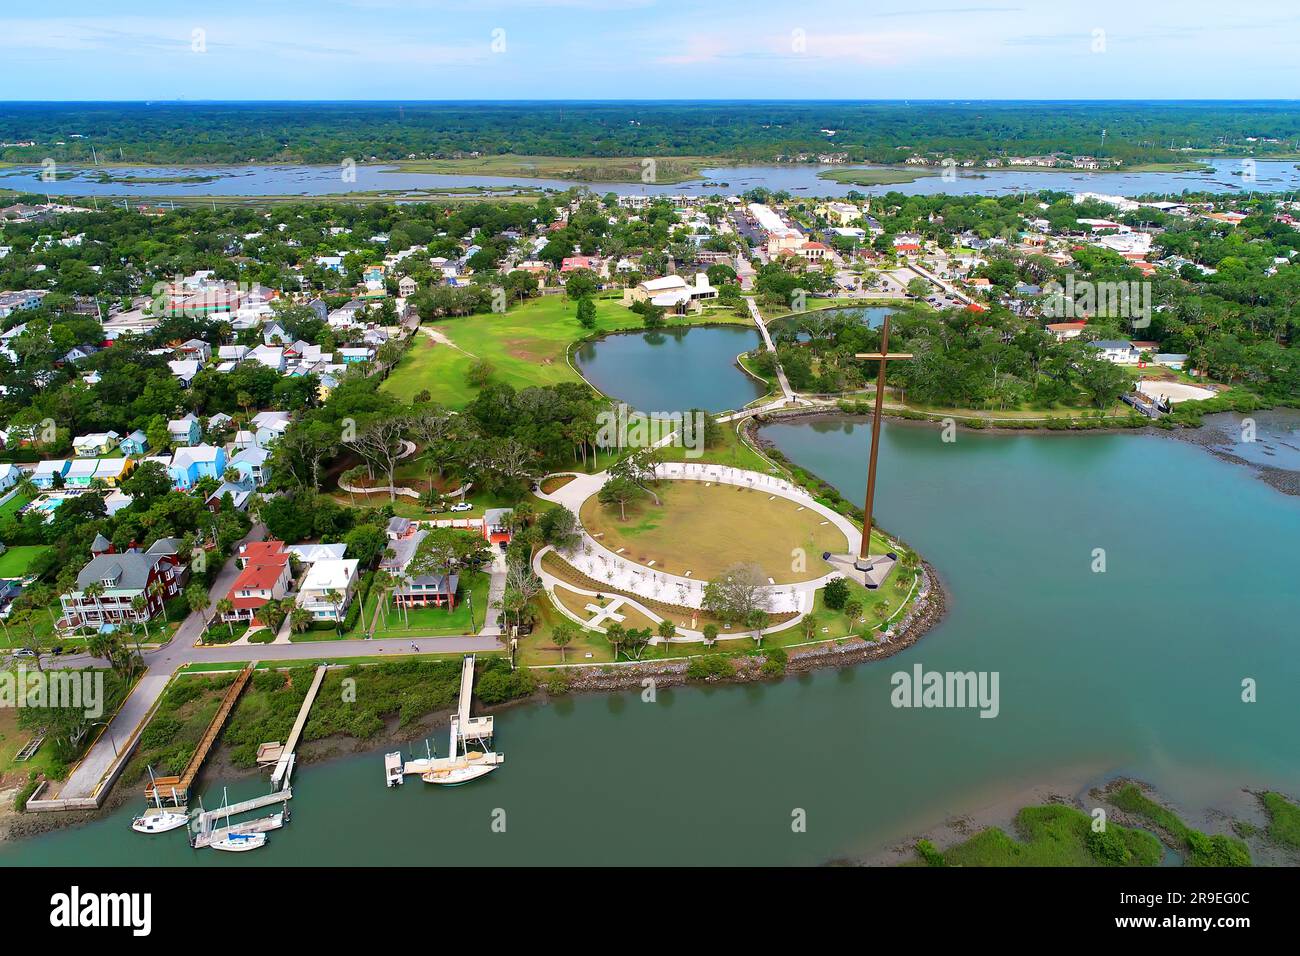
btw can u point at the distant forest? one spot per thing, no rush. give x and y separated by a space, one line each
881 132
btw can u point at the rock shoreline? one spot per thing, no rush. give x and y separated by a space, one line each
928 611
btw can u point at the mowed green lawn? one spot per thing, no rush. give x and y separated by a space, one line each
16 560
707 529
526 346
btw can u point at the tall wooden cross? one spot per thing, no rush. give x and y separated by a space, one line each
884 356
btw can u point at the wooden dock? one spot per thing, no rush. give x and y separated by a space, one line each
284 765
478 729
177 789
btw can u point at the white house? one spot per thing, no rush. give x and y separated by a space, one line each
327 589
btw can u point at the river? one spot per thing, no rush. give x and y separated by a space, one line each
1136 670
314 181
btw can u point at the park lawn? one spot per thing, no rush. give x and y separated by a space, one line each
538 649
437 622
12 739
45 632
16 560
13 505
728 450
526 346
1055 835
706 529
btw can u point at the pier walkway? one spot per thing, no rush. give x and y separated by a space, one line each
284 765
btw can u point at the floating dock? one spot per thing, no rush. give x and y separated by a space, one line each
206 831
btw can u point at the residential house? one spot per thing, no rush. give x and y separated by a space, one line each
328 588
48 473
240 492
156 575
184 370
95 444
135 443
269 355
267 575
311 553
80 473
184 431
1066 330
269 427
10 475
112 471
1117 350
253 464
356 356
196 349
190 464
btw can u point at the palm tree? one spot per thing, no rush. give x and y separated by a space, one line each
95 591
299 620
197 596
562 634
333 597
226 607
140 605
26 487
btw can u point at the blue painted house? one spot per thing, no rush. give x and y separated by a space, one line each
189 465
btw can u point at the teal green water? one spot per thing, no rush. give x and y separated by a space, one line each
674 369
1135 671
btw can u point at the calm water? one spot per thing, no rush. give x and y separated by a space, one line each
674 369
328 180
1136 670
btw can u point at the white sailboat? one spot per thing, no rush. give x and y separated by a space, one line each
239 842
457 770
159 819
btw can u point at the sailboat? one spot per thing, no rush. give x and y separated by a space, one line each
457 770
158 819
239 842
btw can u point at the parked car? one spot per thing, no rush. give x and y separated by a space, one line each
466 506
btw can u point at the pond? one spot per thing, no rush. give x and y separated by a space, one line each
673 369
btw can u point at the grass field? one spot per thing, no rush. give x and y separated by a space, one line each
16 560
12 506
706 529
525 346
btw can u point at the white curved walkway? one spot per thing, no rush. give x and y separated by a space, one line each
601 564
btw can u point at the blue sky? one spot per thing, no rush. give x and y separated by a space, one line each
649 49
